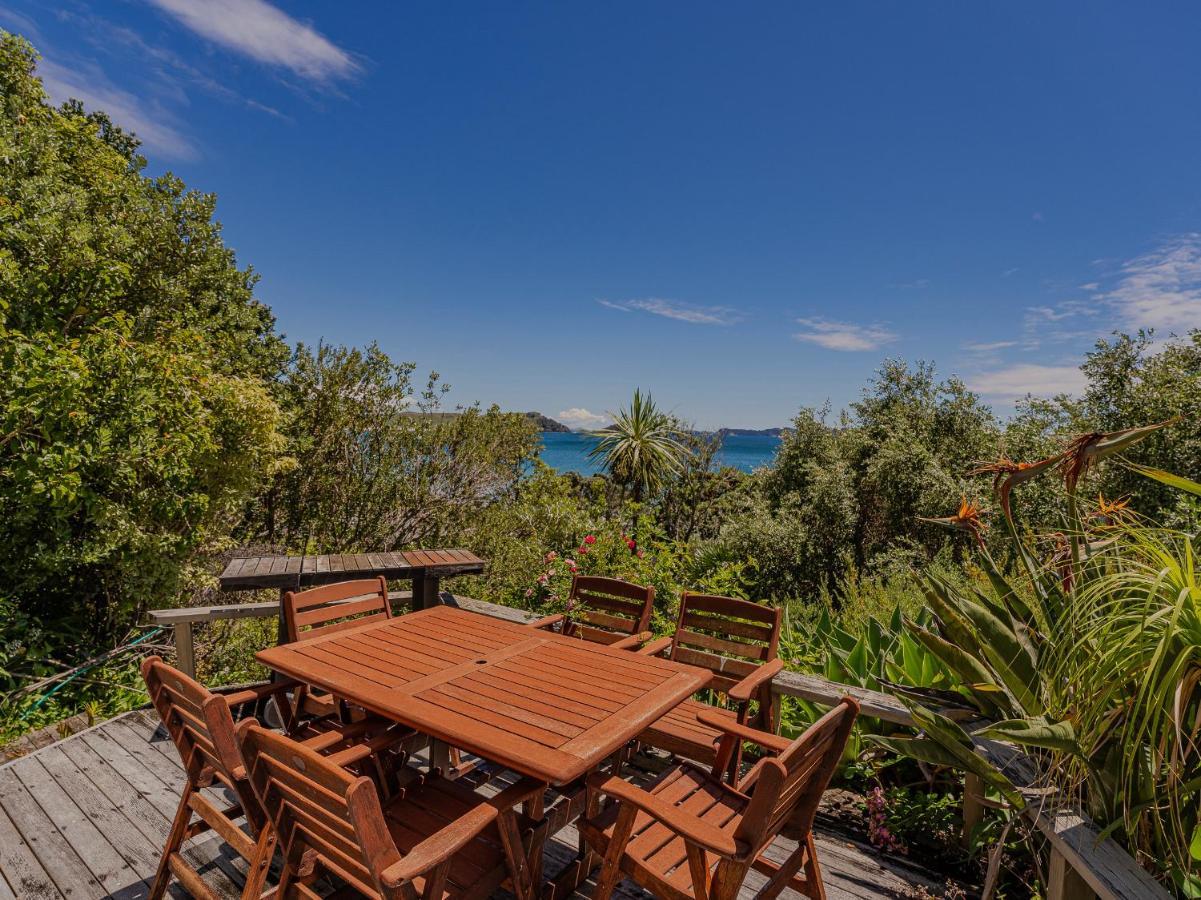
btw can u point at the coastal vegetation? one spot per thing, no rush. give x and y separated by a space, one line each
153 422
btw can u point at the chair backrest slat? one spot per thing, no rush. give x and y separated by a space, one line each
202 728
333 607
786 790
728 636
727 672
193 719
316 806
613 608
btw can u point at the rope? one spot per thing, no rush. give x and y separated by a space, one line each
67 677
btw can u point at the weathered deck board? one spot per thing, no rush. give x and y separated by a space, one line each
85 818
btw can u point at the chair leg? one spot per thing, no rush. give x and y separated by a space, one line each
813 871
519 869
784 875
175 839
260 865
611 872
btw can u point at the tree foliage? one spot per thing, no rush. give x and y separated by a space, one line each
378 467
134 413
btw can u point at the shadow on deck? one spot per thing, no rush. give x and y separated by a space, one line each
86 818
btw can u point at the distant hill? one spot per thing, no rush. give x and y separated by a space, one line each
765 432
546 423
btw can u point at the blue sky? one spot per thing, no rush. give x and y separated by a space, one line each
743 208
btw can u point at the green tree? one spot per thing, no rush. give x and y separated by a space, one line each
380 466
641 449
135 414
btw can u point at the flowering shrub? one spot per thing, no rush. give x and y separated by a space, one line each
878 831
609 552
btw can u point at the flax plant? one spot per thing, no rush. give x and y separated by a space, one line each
1133 662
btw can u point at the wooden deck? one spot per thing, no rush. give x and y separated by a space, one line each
86 817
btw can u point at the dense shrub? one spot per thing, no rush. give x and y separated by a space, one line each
134 414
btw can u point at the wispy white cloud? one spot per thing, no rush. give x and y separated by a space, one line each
146 118
843 335
1160 289
1015 382
167 68
265 33
580 418
989 346
674 309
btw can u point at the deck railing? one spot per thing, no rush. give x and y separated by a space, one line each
1082 864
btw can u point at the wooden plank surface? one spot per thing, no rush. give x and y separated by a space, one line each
437 670
134 818
288 572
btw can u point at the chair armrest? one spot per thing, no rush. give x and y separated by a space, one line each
523 789
258 692
745 689
369 748
547 621
440 846
768 741
685 824
657 646
633 641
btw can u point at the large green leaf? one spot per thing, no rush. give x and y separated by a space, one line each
958 745
1010 660
1179 482
974 674
1036 731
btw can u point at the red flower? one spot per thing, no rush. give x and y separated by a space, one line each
582 550
590 539
632 544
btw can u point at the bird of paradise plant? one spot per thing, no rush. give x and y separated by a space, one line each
1091 660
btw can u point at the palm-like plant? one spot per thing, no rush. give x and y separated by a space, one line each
642 447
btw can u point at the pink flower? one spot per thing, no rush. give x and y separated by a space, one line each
571 564
529 592
543 578
641 554
590 539
552 556
582 550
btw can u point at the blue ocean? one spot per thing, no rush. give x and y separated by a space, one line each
568 452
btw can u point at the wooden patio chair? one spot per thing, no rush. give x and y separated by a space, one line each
325 610
737 640
605 611
692 835
436 839
200 723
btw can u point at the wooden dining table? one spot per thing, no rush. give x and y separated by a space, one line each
535 702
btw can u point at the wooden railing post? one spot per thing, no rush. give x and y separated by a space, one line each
1064 882
185 655
973 806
